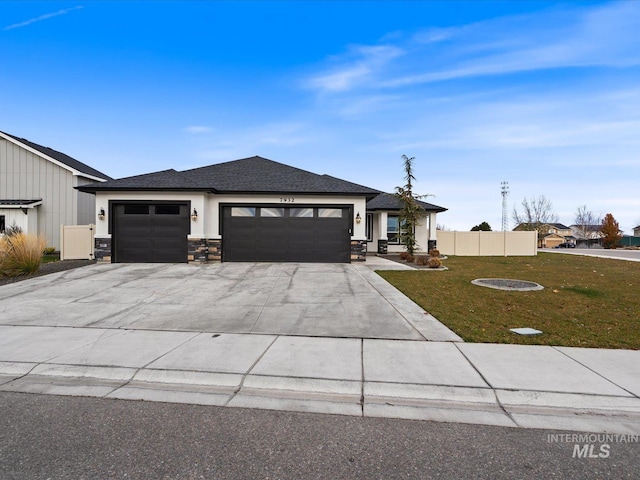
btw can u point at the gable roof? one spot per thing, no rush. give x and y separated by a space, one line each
589 228
248 175
64 160
387 201
162 180
536 225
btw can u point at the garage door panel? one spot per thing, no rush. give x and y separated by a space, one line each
149 232
289 237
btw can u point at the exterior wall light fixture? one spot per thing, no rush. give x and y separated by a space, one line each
194 215
101 214
358 218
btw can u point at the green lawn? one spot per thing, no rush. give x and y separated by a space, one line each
586 302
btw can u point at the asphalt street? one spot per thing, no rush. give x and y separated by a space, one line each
55 437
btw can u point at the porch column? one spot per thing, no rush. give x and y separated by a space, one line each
382 232
432 231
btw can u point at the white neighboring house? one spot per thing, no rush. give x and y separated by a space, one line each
247 210
37 189
587 235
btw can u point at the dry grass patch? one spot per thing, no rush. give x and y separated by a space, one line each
20 254
586 302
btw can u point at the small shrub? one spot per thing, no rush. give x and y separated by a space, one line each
434 252
49 250
434 262
422 260
20 254
410 259
13 230
404 255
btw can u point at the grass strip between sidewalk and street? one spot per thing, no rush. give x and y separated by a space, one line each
586 301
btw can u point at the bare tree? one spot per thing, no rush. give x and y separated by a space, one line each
587 224
535 212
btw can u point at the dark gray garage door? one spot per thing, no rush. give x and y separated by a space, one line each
148 232
286 234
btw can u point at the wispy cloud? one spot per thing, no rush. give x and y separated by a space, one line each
606 35
198 129
229 143
46 16
363 63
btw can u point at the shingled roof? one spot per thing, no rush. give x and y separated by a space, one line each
59 157
163 180
387 201
247 175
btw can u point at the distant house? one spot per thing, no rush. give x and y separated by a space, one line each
550 235
587 232
247 210
636 231
37 189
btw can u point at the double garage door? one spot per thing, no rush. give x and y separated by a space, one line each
286 234
157 232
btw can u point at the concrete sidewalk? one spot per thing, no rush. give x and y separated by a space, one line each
510 385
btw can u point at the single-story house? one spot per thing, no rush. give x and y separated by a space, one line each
37 189
252 209
550 235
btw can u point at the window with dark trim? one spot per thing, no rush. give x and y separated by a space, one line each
133 209
329 212
268 212
369 227
301 212
167 209
2 224
393 229
243 211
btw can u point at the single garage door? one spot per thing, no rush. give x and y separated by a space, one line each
286 234
150 232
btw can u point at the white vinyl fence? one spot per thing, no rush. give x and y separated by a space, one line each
76 242
487 244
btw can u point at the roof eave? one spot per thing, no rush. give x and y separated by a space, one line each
140 189
60 164
290 192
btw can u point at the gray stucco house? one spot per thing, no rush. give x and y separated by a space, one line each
38 189
252 209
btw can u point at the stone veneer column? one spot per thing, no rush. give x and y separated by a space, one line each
102 250
358 250
203 250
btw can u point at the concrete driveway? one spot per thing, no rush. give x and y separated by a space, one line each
317 300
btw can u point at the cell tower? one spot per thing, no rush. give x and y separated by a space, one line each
504 188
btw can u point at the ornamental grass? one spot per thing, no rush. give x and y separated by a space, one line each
20 254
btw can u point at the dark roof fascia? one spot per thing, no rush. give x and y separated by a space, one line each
426 209
289 192
17 203
95 189
390 197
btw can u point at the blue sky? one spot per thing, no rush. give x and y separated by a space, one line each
544 95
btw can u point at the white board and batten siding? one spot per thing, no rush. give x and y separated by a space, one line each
26 175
